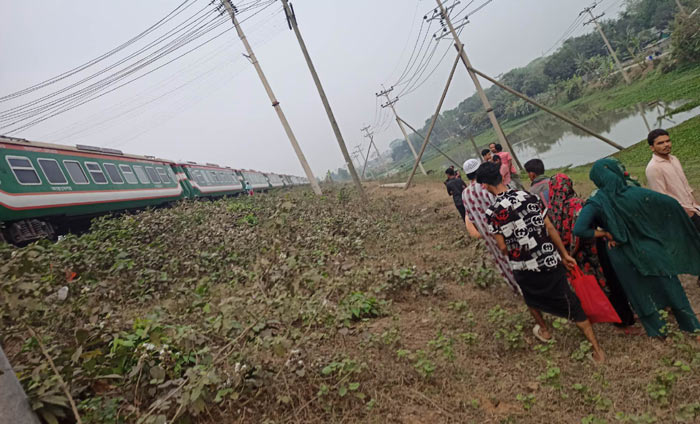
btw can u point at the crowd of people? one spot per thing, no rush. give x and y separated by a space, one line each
632 241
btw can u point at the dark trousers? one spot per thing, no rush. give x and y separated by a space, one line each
462 211
617 296
696 220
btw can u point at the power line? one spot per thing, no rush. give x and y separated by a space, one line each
188 22
100 58
567 33
90 93
75 99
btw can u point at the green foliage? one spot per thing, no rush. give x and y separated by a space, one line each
528 401
583 350
592 419
338 379
685 39
645 418
551 375
509 327
358 306
660 388
481 276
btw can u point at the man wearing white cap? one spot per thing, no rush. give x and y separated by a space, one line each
476 201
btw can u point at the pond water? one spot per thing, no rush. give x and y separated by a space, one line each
558 144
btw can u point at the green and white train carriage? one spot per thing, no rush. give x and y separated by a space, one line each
210 180
47 189
257 180
43 187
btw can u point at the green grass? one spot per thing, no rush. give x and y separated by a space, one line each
686 146
680 84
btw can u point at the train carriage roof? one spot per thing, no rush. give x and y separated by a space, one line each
84 149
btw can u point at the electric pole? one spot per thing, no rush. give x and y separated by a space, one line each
487 104
390 103
292 22
594 20
231 9
364 167
370 135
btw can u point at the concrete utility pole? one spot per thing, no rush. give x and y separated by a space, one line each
434 146
432 124
370 135
547 109
292 22
358 155
487 104
390 103
14 405
476 149
594 20
364 167
231 9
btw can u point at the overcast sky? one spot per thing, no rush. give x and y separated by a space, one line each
209 106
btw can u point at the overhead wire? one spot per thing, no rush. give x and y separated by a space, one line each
567 33
100 58
202 91
89 93
75 99
193 20
410 31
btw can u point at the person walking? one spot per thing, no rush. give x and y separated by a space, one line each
454 188
650 241
536 254
665 175
510 174
539 183
565 207
476 201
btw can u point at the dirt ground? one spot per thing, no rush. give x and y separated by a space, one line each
491 380
288 307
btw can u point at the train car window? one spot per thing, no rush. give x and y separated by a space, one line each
214 178
195 176
205 176
113 173
153 175
141 174
171 173
24 170
96 172
128 174
76 172
163 175
52 171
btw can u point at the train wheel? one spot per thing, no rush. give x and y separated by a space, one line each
29 230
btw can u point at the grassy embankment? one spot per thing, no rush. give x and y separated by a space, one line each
294 308
681 84
686 146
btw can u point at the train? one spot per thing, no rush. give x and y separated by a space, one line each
49 189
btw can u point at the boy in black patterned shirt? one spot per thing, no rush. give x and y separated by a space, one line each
536 255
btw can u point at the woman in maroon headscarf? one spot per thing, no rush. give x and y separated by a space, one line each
590 254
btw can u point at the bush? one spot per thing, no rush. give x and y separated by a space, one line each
685 39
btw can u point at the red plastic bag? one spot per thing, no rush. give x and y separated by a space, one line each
594 302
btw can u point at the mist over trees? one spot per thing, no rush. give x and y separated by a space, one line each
563 75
